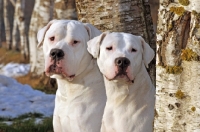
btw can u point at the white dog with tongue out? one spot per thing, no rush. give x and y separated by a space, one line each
122 58
80 98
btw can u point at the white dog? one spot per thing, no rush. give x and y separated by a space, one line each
80 98
121 58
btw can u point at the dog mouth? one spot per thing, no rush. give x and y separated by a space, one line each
121 75
56 69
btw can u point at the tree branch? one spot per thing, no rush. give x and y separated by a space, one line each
12 2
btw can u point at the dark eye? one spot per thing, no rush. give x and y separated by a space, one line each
52 38
109 48
75 42
133 50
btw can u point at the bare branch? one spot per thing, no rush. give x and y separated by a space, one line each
12 2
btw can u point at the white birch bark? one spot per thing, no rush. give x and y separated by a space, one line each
40 17
7 24
19 24
177 67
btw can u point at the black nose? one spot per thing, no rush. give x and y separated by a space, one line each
122 63
56 54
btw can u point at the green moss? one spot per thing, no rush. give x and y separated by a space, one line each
189 55
174 69
179 94
196 25
83 7
193 109
177 10
184 2
196 14
100 8
170 27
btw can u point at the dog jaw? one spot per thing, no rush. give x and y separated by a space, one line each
55 69
120 75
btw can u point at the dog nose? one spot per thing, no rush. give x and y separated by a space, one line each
122 62
56 54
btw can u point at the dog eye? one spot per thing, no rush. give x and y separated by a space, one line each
133 50
52 38
109 48
75 42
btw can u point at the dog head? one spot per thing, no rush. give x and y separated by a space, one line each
65 47
120 55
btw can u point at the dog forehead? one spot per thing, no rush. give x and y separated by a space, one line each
122 39
73 29
133 40
57 27
112 38
67 25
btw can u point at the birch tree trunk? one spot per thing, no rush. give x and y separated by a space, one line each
177 67
65 9
7 22
40 17
19 24
131 16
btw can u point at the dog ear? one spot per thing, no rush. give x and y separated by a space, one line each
92 31
41 33
148 53
94 44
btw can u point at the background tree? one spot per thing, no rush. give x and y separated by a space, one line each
41 9
65 9
177 67
19 26
8 21
120 16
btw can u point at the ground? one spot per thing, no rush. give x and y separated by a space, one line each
23 107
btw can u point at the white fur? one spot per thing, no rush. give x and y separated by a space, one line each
80 100
130 99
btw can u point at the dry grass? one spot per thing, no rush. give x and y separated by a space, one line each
42 82
7 56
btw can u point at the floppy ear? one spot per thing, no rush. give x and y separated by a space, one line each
41 33
94 44
148 53
92 31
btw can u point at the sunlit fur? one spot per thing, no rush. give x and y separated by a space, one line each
130 99
80 98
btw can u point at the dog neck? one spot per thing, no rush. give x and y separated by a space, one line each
121 92
77 86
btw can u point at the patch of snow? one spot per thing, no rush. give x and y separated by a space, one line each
8 122
38 121
14 69
17 99
1 66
